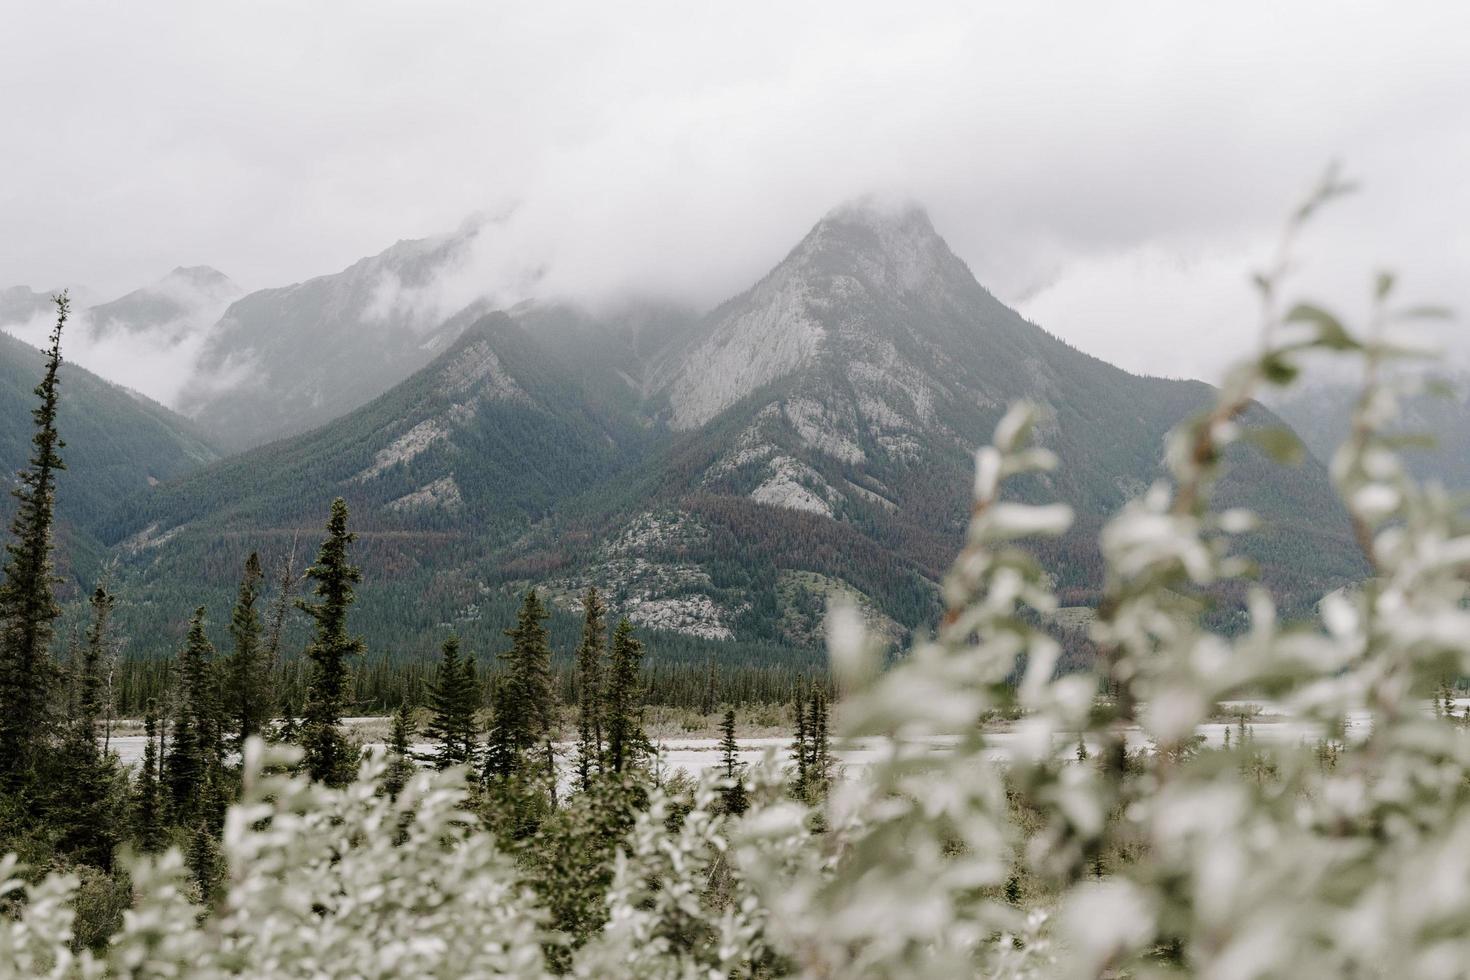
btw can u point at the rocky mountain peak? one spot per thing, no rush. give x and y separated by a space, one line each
883 245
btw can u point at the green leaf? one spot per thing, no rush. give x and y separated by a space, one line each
1278 370
1330 331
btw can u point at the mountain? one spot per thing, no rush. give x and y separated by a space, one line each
184 303
720 476
21 305
823 429
147 340
1439 408
283 361
117 442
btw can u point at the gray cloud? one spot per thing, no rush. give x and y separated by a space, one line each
1114 169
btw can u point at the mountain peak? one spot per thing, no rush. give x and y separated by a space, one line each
889 244
202 274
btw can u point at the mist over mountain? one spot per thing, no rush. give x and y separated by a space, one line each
720 475
147 340
285 360
1434 407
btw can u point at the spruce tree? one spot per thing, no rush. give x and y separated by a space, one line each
247 687
82 787
28 608
195 748
453 698
400 765
625 740
589 685
734 791
327 751
94 654
147 804
800 748
819 760
525 704
501 756
473 697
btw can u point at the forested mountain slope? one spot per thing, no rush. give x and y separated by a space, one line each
720 476
117 443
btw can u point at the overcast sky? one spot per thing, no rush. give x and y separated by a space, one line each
1113 169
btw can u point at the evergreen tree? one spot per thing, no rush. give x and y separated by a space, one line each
734 791
289 730
454 698
525 705
205 865
147 804
819 762
247 687
28 608
83 788
589 685
625 740
800 748
327 751
501 755
400 740
195 747
94 653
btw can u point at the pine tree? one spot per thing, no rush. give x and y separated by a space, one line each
589 685
147 804
819 761
525 707
454 698
247 688
82 786
195 748
95 652
625 740
800 748
327 752
400 740
474 700
203 858
734 791
28 608
501 756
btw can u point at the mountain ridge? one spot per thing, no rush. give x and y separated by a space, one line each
560 448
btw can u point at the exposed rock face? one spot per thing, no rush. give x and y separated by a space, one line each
442 494
640 571
405 447
795 485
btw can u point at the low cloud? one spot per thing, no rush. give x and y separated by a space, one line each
1115 170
